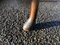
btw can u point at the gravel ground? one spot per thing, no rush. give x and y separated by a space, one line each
46 31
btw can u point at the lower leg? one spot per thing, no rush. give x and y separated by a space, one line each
32 17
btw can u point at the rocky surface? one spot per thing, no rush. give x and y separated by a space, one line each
13 14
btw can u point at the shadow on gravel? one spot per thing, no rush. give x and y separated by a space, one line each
49 0
46 25
29 1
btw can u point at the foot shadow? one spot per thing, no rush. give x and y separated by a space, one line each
45 25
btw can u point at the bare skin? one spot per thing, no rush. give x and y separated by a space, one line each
32 17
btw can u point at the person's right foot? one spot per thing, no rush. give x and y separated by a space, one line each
27 25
